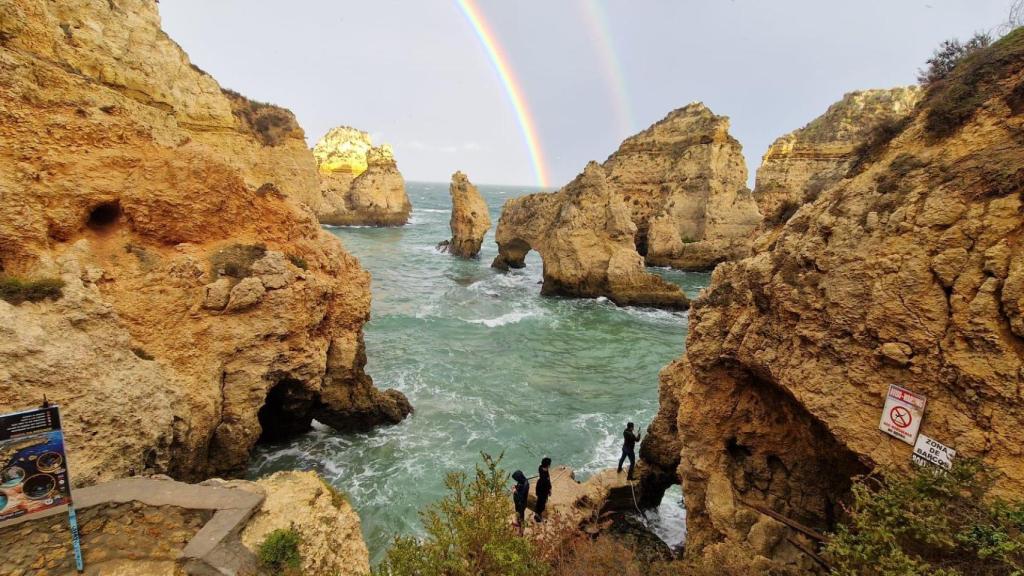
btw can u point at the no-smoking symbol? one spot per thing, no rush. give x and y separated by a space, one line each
900 416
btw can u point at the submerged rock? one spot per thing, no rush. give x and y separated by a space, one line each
470 218
684 183
202 306
360 183
586 238
777 400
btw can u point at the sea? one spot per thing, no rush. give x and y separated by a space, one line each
490 366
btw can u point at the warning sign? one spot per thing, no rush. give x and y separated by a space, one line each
901 416
932 452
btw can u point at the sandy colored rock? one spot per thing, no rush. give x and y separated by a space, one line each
128 173
684 183
790 352
360 183
586 238
800 165
332 540
470 218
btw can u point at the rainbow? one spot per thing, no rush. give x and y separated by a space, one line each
511 84
596 17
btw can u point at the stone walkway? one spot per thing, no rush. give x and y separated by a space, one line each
138 526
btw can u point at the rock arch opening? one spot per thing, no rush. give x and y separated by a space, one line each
104 216
287 411
512 254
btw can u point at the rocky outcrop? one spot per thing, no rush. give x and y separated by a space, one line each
585 236
203 307
684 182
331 537
470 219
908 272
798 166
360 183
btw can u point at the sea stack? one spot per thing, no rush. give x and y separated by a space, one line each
470 219
360 183
908 271
193 307
586 238
684 183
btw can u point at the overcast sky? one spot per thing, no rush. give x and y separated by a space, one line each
414 74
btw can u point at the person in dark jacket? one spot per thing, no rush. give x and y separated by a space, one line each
543 489
629 440
520 493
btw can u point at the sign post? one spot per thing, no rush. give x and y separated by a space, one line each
928 452
34 471
902 414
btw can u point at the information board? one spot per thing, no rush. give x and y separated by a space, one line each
33 466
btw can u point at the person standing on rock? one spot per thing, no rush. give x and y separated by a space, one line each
520 493
629 440
543 489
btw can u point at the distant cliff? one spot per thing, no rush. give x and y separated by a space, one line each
202 308
360 184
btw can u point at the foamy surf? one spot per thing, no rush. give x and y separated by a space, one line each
505 319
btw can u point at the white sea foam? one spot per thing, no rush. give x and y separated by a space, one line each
434 210
504 319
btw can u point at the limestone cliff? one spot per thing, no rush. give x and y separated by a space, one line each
360 183
585 236
470 218
203 307
684 182
798 166
908 272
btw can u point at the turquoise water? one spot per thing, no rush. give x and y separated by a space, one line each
489 365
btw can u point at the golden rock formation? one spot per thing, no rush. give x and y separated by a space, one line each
908 272
470 219
585 236
684 182
203 307
360 183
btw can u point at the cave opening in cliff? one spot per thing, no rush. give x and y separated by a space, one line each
104 216
287 411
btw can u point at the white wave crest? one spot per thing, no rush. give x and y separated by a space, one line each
510 318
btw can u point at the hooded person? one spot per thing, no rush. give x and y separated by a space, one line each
520 493
543 489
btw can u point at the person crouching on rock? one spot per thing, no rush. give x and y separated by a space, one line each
629 440
520 492
543 489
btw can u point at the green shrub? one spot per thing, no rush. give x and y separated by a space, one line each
17 290
952 101
469 532
948 55
236 260
929 522
279 552
270 124
298 261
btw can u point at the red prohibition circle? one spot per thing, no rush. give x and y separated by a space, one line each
900 416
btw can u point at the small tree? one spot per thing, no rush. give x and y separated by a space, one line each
931 522
469 532
948 54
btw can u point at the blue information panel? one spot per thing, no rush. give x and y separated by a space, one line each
33 468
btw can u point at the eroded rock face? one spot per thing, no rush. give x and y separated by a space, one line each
907 273
800 165
203 306
331 538
360 183
585 236
470 219
684 182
